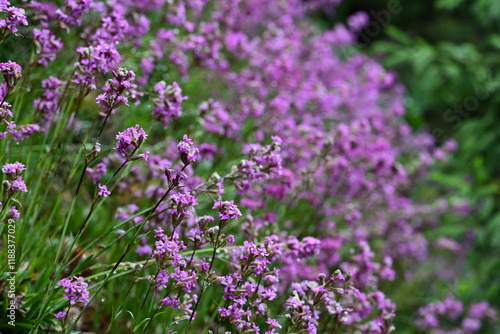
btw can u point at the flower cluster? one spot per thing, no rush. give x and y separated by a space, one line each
128 141
167 250
48 104
75 290
14 17
188 151
47 44
182 204
15 182
93 59
227 210
11 74
168 104
103 191
217 120
449 316
71 13
115 89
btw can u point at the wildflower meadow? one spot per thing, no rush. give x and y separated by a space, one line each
217 166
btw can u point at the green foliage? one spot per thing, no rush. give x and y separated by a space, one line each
439 74
446 53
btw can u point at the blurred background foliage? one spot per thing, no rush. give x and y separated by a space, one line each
447 54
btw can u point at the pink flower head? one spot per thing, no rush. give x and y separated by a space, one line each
227 210
13 171
130 140
75 290
188 151
104 192
60 315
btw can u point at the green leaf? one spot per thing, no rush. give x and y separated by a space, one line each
131 315
398 35
17 202
494 230
447 4
140 324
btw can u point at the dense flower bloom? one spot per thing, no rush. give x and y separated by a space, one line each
75 290
162 280
339 160
217 120
436 316
12 69
173 302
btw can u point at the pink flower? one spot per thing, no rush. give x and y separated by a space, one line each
103 191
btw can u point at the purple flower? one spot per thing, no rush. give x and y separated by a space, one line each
48 103
358 21
97 172
24 131
114 27
162 280
75 290
11 73
189 152
18 185
167 250
3 5
168 105
13 171
227 210
100 57
117 88
60 315
183 202
185 279
72 12
47 45
12 69
273 323
15 16
103 191
130 140
174 302
13 213
217 120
